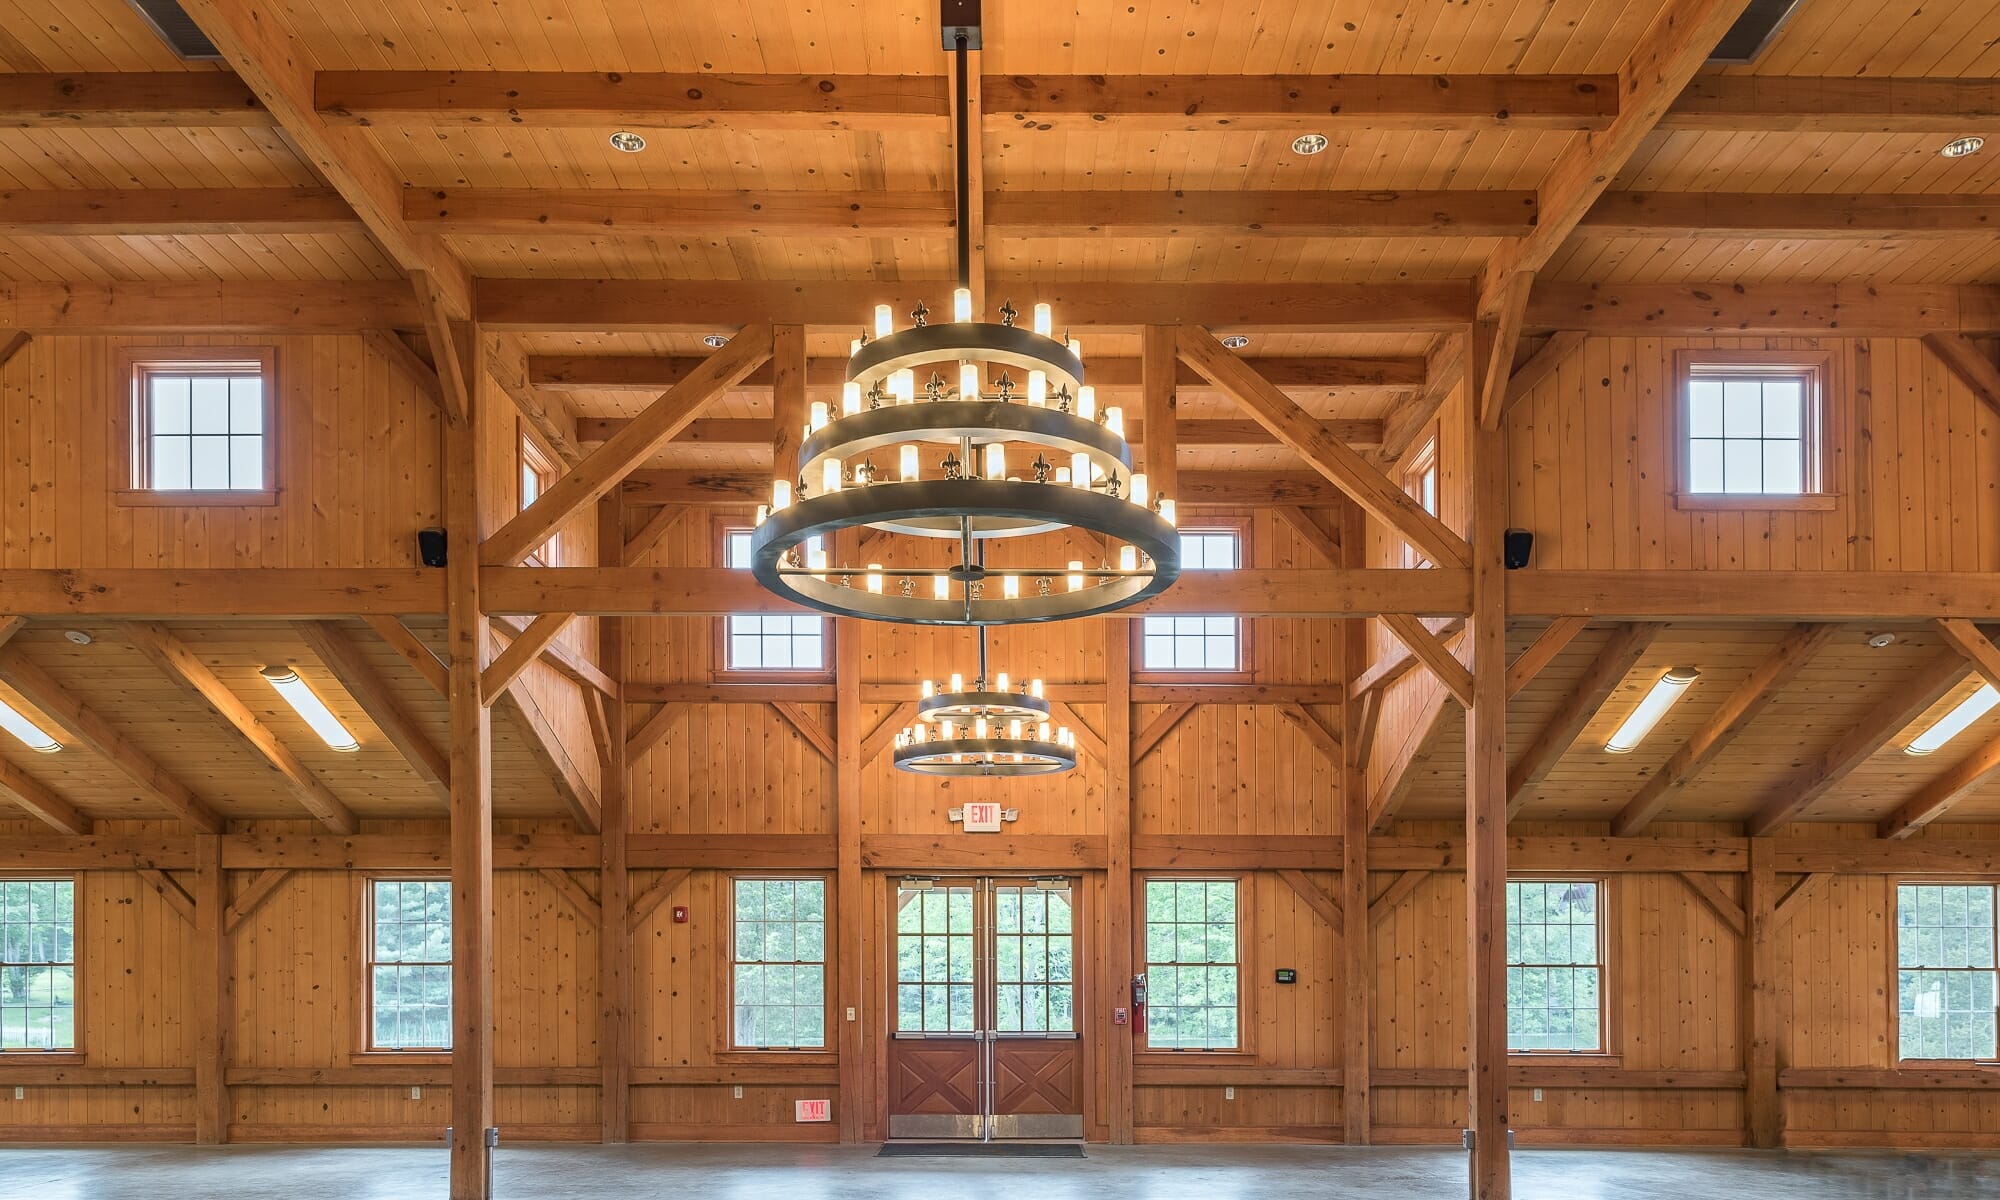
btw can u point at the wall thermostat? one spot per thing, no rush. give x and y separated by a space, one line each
1287 975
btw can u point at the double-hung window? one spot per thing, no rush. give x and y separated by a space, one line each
409 964
778 967
1555 965
1193 965
1945 970
37 964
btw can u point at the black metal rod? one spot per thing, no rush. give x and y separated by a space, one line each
964 120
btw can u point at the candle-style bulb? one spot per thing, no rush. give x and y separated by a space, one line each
850 398
929 689
1035 688
1038 388
968 381
1076 349
1141 493
819 415
1128 558
884 321
781 494
1114 420
1079 470
961 304
1045 322
1000 682
1167 511
979 727
875 579
1086 402
907 455
940 587
1042 732
830 477
1010 587
1075 574
996 460
957 682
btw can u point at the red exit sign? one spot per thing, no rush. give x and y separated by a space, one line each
812 1110
982 818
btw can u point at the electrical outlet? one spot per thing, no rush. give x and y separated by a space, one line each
1229 1093
416 1093
739 1091
850 1014
1538 1095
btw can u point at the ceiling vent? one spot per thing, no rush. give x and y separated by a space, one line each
177 30
1753 31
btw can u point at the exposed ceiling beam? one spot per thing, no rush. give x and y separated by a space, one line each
1741 707
181 664
746 213
750 432
40 801
334 646
130 99
1252 489
1793 215
233 306
656 373
259 43
507 365
152 212
1890 716
1840 104
1613 662
1938 796
1756 309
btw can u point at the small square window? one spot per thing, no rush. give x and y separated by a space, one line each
1752 429
198 427
1197 643
768 642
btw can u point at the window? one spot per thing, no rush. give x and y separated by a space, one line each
37 964
1034 959
1197 643
778 977
409 964
1555 963
1191 965
538 474
1420 483
1945 973
1752 427
768 642
198 426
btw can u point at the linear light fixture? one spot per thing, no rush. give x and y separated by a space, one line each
310 708
1953 723
31 734
1665 694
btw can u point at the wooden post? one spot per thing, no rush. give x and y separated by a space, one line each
614 889
213 1011
1118 922
1357 942
788 400
850 909
471 805
1159 373
1761 969
1486 803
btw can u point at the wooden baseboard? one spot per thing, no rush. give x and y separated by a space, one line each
652 1131
1550 1135
1170 1135
1890 1139
14 1134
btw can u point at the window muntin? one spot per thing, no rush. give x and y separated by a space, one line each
1747 432
1197 643
1945 971
934 960
768 642
37 964
778 968
1192 969
1034 961
200 427
409 964
1555 965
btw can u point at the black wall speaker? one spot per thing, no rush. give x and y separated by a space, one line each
430 546
1520 544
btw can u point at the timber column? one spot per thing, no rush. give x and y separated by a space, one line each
614 891
469 646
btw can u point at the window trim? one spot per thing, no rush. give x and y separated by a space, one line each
365 1050
1608 1031
1246 976
1245 669
532 454
133 364
73 1055
1895 957
720 670
1424 460
1824 430
726 1049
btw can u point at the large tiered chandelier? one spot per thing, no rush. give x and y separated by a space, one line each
987 729
951 468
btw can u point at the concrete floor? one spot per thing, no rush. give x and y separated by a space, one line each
737 1172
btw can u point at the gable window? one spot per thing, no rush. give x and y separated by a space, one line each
1197 643
1753 428
765 641
409 964
778 972
1193 973
1555 965
1945 971
1420 483
197 426
538 474
37 964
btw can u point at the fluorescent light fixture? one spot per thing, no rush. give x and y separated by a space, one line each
310 708
1953 723
1665 694
31 735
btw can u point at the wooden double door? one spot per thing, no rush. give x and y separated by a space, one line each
985 1043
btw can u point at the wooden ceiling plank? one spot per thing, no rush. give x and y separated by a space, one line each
266 54
1540 653
152 212
1804 215
40 801
1968 364
526 646
1595 686
1431 651
180 663
1751 697
334 646
1326 454
656 373
1937 797
97 735
1270 214
1890 716
634 212
605 467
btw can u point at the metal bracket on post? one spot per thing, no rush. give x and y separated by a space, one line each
493 1137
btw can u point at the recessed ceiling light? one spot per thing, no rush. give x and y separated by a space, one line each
78 636
630 143
1960 147
1953 723
1880 640
1309 143
1236 341
1666 692
715 341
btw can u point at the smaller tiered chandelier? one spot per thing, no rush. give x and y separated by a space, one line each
988 729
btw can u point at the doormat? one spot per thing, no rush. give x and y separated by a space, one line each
980 1150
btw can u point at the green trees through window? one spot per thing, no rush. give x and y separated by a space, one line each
37 964
1945 970
409 964
1555 961
779 973
1192 971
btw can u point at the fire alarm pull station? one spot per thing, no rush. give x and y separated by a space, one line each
1118 1017
680 914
